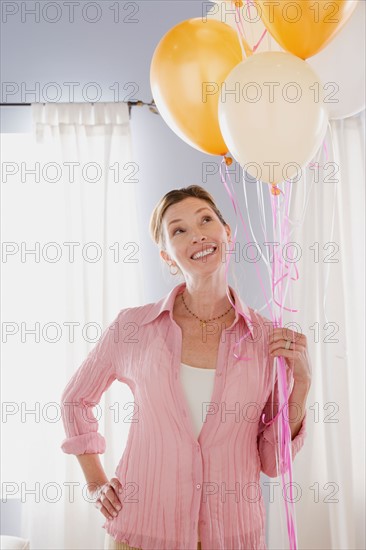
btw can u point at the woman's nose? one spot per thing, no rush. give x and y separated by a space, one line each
199 238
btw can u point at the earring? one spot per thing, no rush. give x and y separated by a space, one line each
170 269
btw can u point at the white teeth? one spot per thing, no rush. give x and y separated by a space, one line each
204 253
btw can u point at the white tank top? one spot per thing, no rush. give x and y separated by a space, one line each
198 386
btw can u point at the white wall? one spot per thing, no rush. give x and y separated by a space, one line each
113 49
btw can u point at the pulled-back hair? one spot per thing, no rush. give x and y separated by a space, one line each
173 197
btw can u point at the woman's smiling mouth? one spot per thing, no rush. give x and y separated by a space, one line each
209 251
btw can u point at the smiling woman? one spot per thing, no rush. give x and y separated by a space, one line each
185 450
193 237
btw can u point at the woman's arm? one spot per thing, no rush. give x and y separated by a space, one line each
267 436
83 392
107 492
298 363
93 470
298 399
298 360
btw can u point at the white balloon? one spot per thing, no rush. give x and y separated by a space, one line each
272 116
341 67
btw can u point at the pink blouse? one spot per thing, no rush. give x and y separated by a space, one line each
173 482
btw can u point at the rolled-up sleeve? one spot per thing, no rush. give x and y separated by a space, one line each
83 392
267 439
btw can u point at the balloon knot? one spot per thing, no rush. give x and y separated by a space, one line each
274 189
228 161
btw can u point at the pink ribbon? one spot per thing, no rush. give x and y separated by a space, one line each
284 448
240 25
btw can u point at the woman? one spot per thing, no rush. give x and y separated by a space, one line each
189 476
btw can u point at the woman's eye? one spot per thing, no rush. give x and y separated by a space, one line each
179 229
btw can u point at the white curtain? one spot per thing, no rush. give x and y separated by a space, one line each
330 296
63 285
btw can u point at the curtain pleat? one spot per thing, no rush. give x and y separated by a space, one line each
82 212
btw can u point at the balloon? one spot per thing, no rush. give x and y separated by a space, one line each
276 116
189 64
304 27
341 67
252 24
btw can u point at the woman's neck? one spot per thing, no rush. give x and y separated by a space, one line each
208 303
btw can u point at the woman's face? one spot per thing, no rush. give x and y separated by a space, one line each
197 228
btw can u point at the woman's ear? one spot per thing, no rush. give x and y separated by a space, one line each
228 232
164 255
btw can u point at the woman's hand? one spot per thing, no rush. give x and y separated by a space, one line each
297 356
108 500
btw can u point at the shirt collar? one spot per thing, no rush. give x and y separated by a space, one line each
167 302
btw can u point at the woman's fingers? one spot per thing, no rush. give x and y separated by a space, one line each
106 513
108 501
112 497
116 484
111 506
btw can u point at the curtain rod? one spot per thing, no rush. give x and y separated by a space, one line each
137 103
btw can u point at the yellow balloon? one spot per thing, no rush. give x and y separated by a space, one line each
304 27
187 70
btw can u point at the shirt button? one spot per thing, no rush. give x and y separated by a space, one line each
198 486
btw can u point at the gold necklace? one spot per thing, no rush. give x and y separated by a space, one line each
203 322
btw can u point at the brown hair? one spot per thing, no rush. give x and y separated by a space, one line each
173 197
